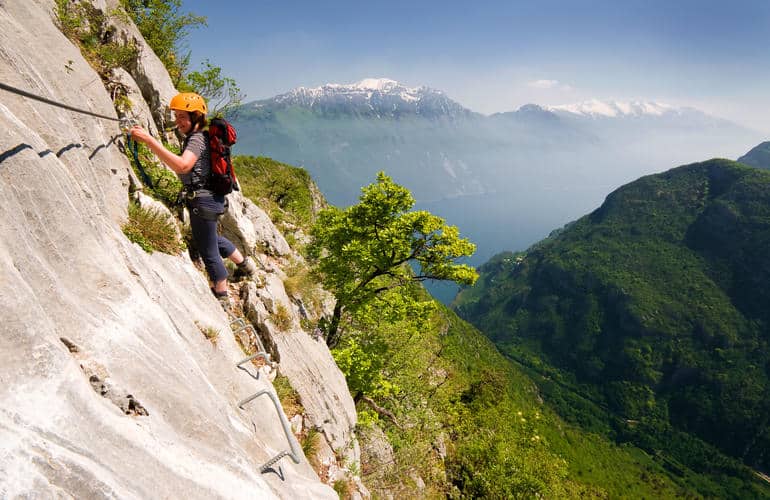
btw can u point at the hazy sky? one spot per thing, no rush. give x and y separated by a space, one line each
498 55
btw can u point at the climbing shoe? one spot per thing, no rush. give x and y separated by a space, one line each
223 298
246 269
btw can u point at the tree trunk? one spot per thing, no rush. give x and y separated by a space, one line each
333 335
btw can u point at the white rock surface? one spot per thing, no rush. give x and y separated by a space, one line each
67 271
139 111
250 228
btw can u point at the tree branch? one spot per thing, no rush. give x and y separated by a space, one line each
382 411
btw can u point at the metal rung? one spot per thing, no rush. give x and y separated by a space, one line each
262 355
269 464
242 325
295 452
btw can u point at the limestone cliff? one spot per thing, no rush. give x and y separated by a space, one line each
108 387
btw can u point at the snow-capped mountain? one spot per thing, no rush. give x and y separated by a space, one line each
615 109
378 97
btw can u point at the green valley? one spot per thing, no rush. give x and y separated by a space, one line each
647 321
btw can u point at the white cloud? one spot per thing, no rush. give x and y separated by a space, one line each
544 84
548 84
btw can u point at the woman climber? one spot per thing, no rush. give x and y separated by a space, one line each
192 167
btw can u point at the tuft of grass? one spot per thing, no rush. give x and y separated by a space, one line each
209 332
282 317
300 283
342 487
289 397
151 230
311 445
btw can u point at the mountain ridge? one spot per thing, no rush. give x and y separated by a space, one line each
758 157
389 98
379 97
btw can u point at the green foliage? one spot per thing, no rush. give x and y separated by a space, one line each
288 396
151 230
221 93
366 249
446 383
281 318
164 26
87 27
310 444
438 383
165 183
482 464
380 340
646 320
285 192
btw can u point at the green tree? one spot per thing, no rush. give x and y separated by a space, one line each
221 92
369 248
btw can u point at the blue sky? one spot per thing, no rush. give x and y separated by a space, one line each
498 55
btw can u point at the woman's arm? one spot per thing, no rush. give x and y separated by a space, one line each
181 164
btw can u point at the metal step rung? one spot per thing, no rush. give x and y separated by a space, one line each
262 355
242 325
295 452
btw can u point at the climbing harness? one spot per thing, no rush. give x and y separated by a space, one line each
237 325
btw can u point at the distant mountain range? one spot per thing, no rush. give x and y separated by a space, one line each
506 179
379 98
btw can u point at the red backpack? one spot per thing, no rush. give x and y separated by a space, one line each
221 135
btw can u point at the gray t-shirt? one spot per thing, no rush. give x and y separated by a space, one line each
198 176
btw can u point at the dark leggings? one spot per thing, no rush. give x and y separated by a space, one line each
211 246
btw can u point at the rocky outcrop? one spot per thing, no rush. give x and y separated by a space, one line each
148 71
250 228
137 111
109 386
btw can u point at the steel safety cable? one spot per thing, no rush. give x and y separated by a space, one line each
24 93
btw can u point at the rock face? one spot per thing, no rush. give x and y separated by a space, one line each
147 71
250 229
309 365
109 387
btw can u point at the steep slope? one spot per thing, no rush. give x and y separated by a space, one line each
110 387
653 307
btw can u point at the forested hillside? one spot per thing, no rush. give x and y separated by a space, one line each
648 319
460 419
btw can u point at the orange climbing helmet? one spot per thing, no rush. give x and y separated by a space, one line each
189 101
